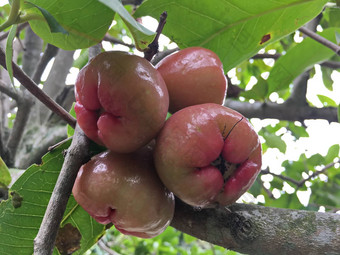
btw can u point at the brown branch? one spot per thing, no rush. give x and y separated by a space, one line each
283 111
253 229
153 46
320 39
77 154
29 84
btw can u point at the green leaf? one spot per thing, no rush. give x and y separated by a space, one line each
5 177
9 51
258 92
315 160
332 153
142 36
22 213
55 27
297 131
274 141
298 59
339 113
326 101
235 30
326 77
86 22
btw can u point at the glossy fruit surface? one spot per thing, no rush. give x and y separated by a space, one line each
122 101
193 76
208 154
124 189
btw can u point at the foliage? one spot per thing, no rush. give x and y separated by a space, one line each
305 178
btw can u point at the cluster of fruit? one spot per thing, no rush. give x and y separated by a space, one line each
205 154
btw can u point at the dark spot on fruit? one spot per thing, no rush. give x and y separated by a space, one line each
68 239
225 167
265 38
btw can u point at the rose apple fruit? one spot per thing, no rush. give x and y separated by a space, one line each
193 76
124 189
122 101
207 154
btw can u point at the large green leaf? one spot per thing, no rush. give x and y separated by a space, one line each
235 30
86 22
298 59
22 213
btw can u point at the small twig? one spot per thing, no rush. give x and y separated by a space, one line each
320 39
30 85
282 177
316 173
266 55
77 154
52 147
153 46
160 55
117 41
19 28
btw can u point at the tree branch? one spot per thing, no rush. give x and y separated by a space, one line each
320 39
285 111
9 91
77 154
153 46
113 40
50 52
37 92
254 229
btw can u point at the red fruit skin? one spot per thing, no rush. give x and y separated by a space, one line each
192 139
122 101
193 76
124 189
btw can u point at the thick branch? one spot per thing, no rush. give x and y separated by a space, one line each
283 111
254 229
77 154
37 92
320 39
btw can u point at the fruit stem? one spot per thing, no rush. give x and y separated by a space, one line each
153 46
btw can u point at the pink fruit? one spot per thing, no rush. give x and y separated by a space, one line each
193 76
124 189
207 154
122 101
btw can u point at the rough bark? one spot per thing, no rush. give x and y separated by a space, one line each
254 229
75 157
